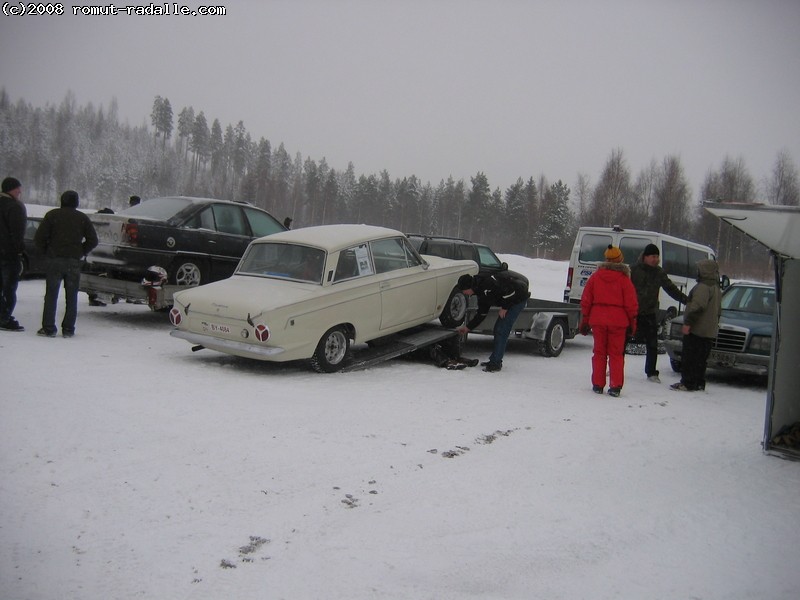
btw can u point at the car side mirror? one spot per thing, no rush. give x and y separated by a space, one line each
724 282
504 266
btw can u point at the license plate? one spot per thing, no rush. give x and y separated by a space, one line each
216 328
723 359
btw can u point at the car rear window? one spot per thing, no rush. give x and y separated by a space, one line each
283 261
159 208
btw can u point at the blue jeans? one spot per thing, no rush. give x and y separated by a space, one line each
502 329
9 280
67 270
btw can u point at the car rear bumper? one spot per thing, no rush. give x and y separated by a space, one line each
229 346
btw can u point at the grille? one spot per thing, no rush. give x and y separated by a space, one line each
730 339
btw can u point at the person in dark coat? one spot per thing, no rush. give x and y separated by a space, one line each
65 236
700 325
501 289
649 278
608 309
13 220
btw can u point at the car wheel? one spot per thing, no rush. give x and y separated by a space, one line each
331 351
554 338
455 309
188 273
675 364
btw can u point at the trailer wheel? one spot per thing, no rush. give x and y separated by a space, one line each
553 342
331 351
455 309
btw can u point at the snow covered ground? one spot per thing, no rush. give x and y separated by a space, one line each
131 467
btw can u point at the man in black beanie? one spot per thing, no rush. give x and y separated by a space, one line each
65 237
13 219
648 278
504 289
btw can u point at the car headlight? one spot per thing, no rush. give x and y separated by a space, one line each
760 344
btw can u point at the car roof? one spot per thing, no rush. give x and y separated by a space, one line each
332 238
37 211
760 284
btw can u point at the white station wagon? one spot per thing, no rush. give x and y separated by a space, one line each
307 293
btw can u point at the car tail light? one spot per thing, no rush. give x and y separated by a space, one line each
262 332
131 231
175 316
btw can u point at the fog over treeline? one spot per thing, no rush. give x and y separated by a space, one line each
87 148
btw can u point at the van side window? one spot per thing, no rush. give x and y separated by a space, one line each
437 248
675 260
694 256
593 247
632 248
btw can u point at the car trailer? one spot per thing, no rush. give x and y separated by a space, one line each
548 323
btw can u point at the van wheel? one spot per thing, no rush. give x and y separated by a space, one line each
675 364
331 351
553 342
455 309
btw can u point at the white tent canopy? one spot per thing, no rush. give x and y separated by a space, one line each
778 228
773 226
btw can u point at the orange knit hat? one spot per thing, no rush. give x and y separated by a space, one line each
613 254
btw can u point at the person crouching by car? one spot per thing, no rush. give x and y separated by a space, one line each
608 309
502 289
700 324
65 236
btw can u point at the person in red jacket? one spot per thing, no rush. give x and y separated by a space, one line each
609 307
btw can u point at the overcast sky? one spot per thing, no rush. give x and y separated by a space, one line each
435 88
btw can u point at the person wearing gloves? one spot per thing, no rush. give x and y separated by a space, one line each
501 289
608 309
700 324
648 278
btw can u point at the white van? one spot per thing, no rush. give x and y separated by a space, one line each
678 259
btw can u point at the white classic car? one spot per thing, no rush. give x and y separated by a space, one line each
306 293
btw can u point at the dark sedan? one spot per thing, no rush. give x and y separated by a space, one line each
189 241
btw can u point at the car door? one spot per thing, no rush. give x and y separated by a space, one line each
229 241
408 291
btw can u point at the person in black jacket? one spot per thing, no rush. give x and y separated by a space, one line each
648 279
13 219
65 236
501 289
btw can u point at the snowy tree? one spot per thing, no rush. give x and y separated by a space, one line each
555 225
783 187
611 193
161 118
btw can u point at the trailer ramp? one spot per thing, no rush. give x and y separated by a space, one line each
398 345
